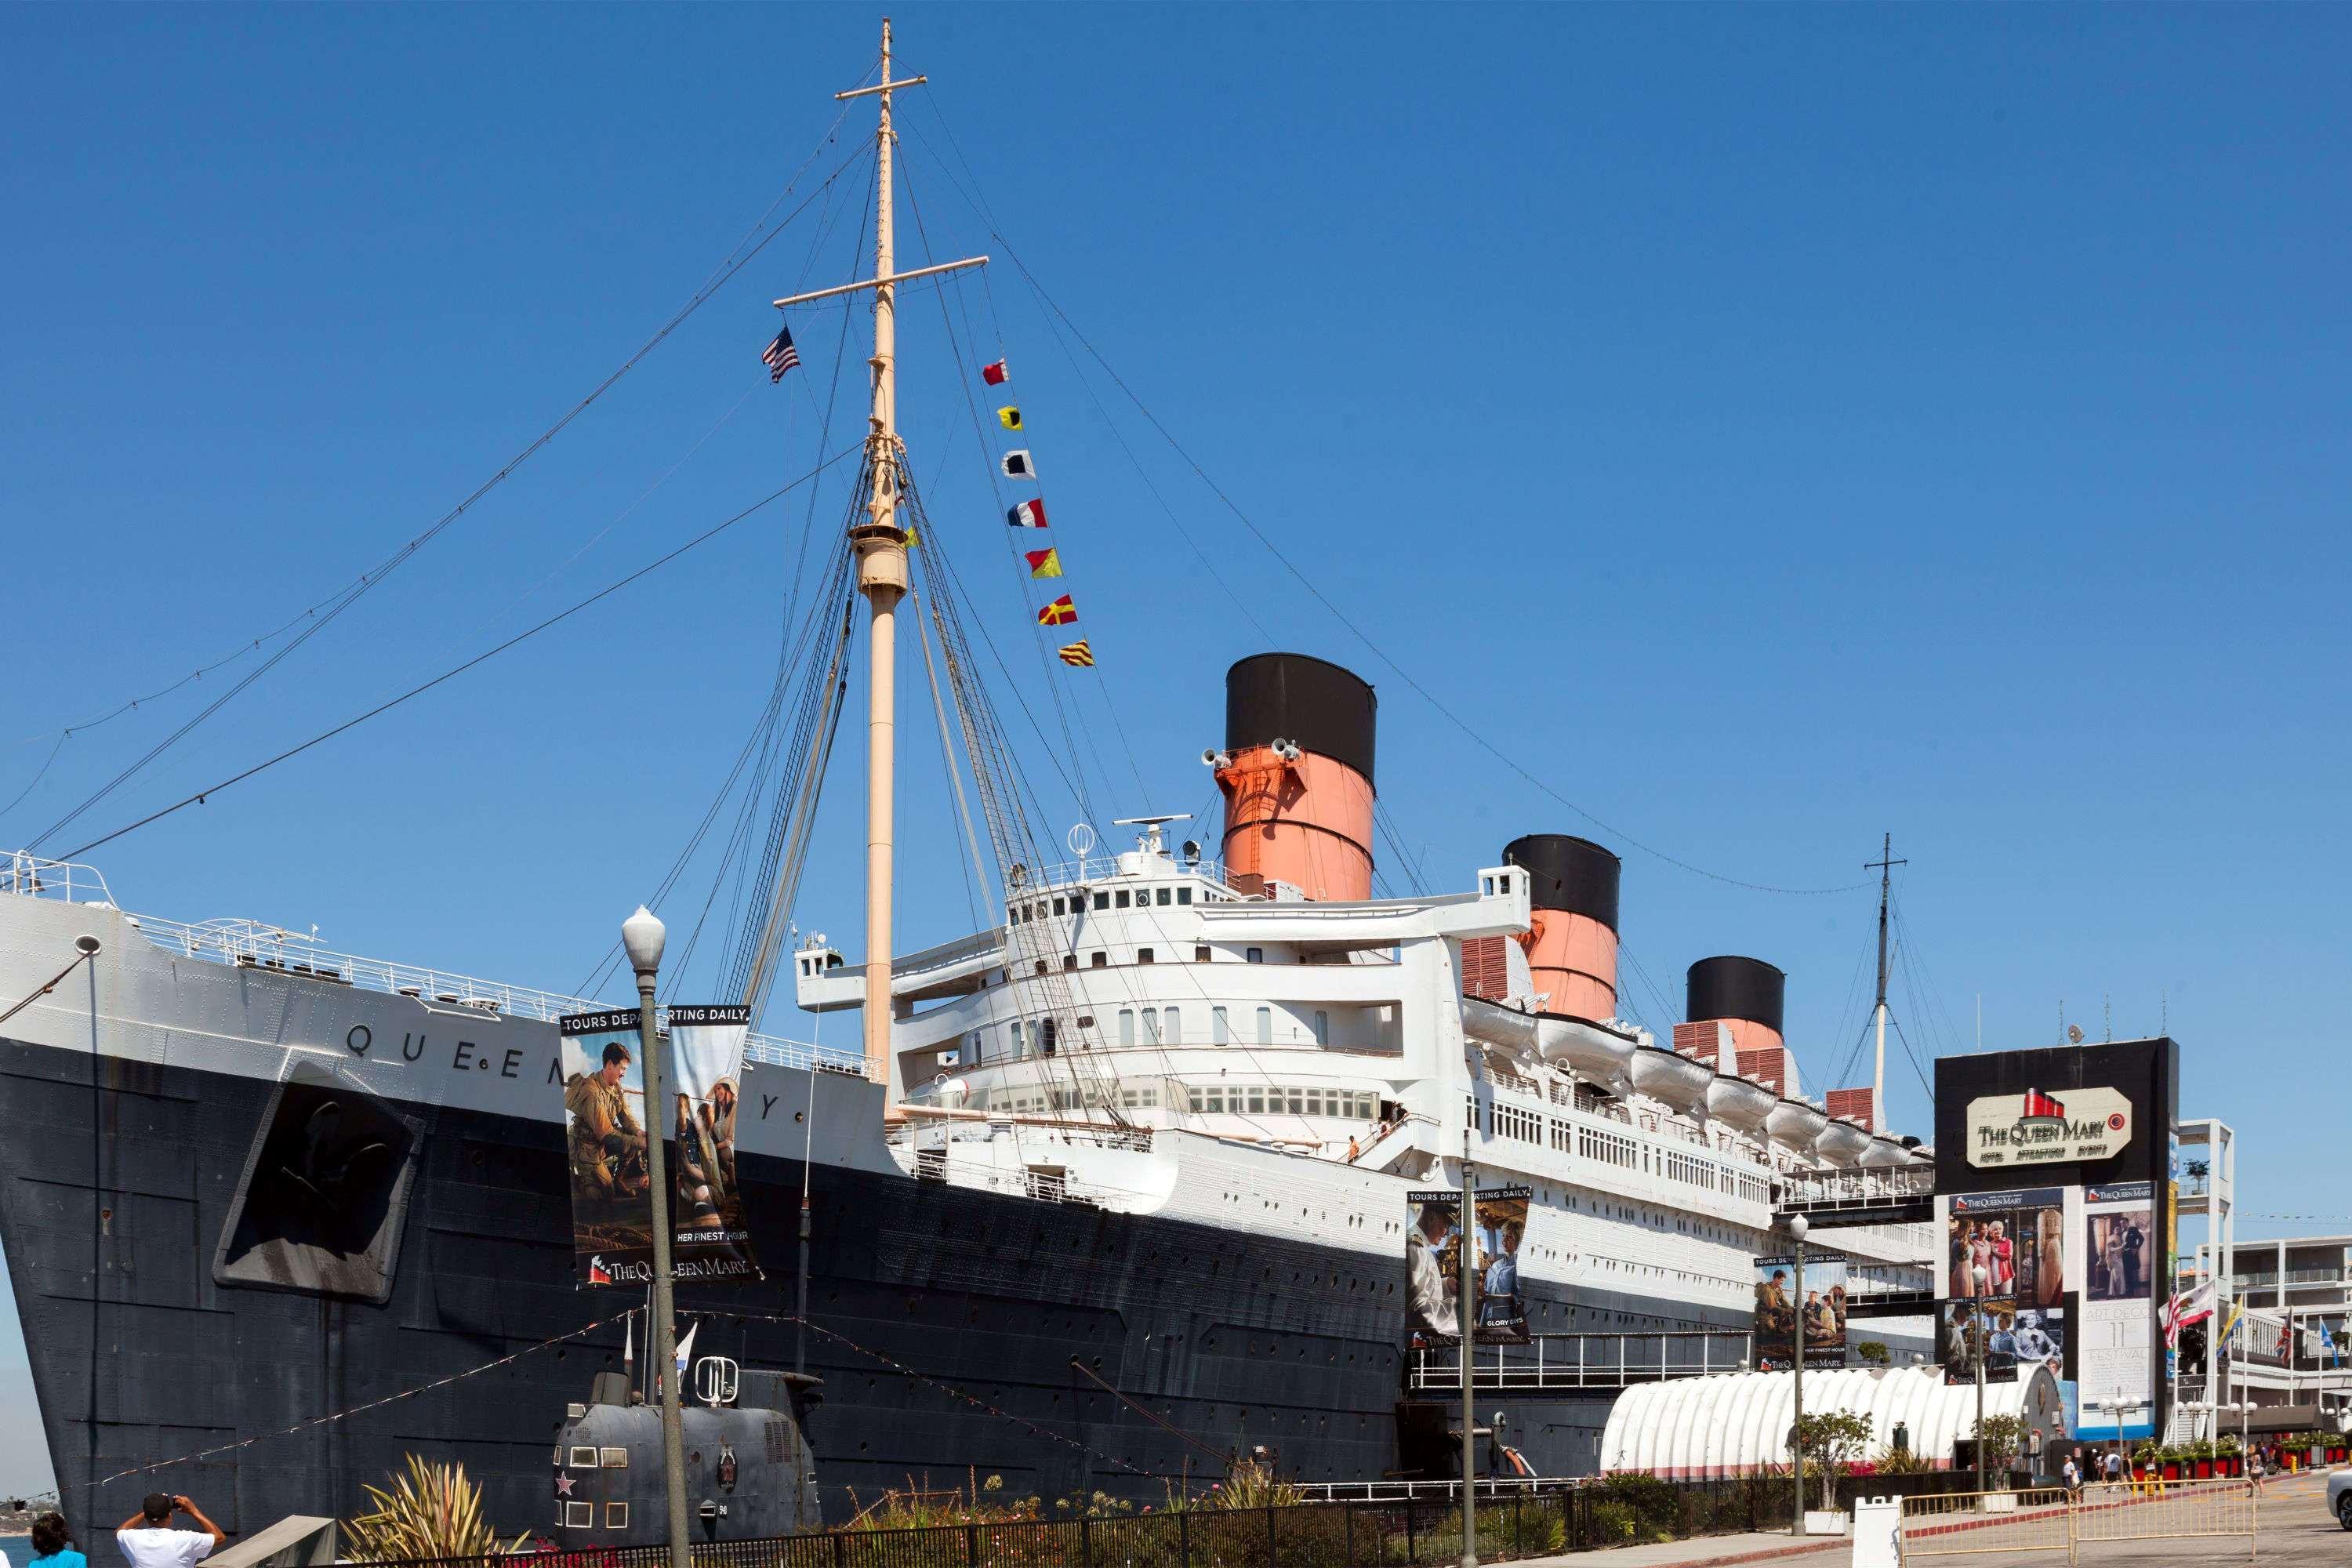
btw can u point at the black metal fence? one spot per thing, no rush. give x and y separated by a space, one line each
1616 1512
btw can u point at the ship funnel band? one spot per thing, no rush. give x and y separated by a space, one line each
1732 987
1300 704
1573 874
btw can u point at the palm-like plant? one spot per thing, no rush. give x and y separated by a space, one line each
433 1510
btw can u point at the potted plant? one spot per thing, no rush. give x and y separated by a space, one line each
2229 1457
1999 1438
2200 1457
1828 1438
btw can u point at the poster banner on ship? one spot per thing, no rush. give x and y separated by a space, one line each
604 1122
1821 1309
2115 1348
1434 1265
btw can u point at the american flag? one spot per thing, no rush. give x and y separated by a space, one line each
781 356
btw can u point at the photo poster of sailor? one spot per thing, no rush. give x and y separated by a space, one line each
1823 1311
604 1122
1433 1266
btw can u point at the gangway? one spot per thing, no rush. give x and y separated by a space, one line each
1598 1364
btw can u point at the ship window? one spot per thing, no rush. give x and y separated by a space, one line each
1016 1040
1127 1026
584 1458
1171 1028
1217 1099
617 1516
1058 907
1201 955
1313 1102
1142 955
579 1516
1220 1031
1265 1023
1257 1101
615 1458
1122 898
1069 961
1184 895
1101 959
1165 895
1297 1103
1254 955
1322 1027
1151 1025
1102 900
1041 966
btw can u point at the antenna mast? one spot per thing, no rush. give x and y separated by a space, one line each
881 547
1885 865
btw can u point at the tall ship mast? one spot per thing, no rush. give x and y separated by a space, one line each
1118 1180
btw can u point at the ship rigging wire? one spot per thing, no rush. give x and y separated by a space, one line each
524 635
345 1415
746 249
1052 305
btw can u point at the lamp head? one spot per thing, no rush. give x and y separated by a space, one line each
1798 1227
642 934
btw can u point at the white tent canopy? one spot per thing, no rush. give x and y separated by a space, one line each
1707 1428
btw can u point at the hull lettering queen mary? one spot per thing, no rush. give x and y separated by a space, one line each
1136 1158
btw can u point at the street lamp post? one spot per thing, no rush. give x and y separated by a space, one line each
642 935
1797 1225
1976 1320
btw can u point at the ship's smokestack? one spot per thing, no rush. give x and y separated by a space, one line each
1572 944
1297 772
1745 996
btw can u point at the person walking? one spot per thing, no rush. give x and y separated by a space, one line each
2073 1477
148 1539
2115 1468
53 1544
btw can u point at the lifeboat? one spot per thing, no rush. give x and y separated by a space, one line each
1671 1079
1794 1124
1841 1143
1884 1154
1740 1102
1595 1051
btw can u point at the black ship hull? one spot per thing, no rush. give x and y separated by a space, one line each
999 1312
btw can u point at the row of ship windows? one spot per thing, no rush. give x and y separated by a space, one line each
1142 899
1526 1126
1067 1099
1276 1100
1165 1026
582 1516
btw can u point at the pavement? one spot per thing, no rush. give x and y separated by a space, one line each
2297 1532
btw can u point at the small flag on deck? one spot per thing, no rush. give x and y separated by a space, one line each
1009 417
1078 654
911 540
1028 514
781 356
994 374
1044 562
1060 613
1017 465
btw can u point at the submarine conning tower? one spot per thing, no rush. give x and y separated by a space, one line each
1296 773
1571 941
1733 1005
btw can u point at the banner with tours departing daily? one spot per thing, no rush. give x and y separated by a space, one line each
1434 1265
1780 1309
604 1121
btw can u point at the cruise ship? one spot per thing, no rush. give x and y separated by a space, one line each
1098 1195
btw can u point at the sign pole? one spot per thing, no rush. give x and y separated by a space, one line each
1469 1341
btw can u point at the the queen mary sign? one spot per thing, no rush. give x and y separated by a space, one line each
2037 1128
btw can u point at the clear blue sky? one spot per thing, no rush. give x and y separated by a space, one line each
1770 426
